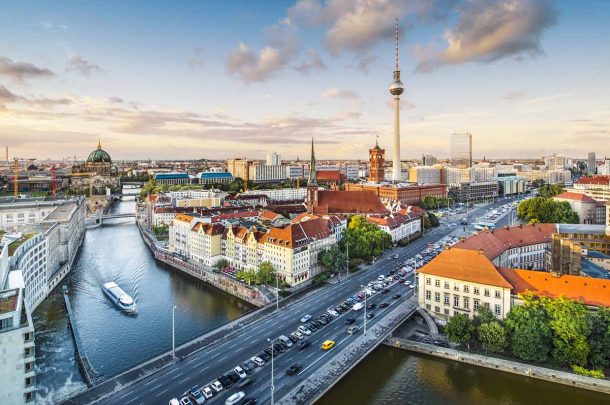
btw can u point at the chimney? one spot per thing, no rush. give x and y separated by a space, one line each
481 251
520 226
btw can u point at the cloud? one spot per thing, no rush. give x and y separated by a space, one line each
312 64
21 71
196 61
340 93
490 30
51 26
8 97
404 104
281 45
76 63
363 63
514 95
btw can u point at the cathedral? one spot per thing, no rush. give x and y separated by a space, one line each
97 173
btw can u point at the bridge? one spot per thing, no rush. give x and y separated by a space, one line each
95 221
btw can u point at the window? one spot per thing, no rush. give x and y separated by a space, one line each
29 381
466 289
28 366
497 294
466 303
437 283
437 309
428 295
29 396
446 298
437 297
28 352
446 285
427 280
498 310
456 287
476 290
486 293
486 304
446 311
475 304
428 307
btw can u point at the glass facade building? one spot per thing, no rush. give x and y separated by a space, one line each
461 150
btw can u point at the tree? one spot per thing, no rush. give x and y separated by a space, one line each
538 183
483 315
493 335
528 329
365 239
220 264
599 339
333 259
265 273
550 190
459 329
546 210
569 321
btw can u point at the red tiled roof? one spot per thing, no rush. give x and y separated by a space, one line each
209 229
268 215
600 179
591 291
298 234
328 175
349 202
496 241
575 197
465 265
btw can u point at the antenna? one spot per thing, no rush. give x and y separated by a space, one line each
396 67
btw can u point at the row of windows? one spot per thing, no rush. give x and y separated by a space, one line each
466 288
446 311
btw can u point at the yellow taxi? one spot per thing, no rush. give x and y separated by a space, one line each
328 344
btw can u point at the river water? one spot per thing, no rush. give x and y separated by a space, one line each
113 340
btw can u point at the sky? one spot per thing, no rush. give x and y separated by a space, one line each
223 79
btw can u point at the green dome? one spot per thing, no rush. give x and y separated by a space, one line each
99 155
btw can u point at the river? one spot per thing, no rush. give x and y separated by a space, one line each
113 340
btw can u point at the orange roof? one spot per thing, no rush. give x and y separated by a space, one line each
575 197
298 234
591 291
209 229
184 218
496 241
465 265
328 175
601 180
349 202
268 215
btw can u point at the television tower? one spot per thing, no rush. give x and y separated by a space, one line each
396 89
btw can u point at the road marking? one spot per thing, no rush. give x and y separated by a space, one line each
171 371
165 390
184 379
150 382
130 401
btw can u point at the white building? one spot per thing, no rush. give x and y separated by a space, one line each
560 177
397 225
294 172
267 173
425 175
274 159
284 194
197 198
455 176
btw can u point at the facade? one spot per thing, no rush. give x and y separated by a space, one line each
461 281
197 198
238 168
172 178
425 175
560 176
399 225
376 164
591 163
454 176
557 162
469 192
404 195
274 159
461 150
589 210
428 160
267 173
510 185
215 178
97 173
294 172
282 194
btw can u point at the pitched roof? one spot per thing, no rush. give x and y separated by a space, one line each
268 215
298 234
496 241
184 218
591 291
209 229
465 265
575 197
349 202
600 179
329 175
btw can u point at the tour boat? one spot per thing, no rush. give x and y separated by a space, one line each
119 297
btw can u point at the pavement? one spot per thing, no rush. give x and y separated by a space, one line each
211 361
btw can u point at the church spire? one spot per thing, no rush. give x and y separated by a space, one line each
99 144
313 177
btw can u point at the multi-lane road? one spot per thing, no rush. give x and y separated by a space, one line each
207 364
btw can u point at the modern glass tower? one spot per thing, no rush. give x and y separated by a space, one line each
461 150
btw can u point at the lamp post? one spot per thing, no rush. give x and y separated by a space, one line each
174 332
272 369
365 299
277 292
347 257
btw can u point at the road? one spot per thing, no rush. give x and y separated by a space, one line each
210 362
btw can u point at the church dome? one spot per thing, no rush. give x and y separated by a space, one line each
99 155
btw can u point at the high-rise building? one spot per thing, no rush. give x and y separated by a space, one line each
274 159
428 160
238 168
396 89
461 150
591 165
377 163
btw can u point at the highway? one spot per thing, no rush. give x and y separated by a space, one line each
204 366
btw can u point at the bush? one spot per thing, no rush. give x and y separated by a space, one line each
588 373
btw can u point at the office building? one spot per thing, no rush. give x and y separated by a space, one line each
273 159
591 163
238 168
428 160
425 175
267 174
461 150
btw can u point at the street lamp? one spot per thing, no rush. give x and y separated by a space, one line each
365 297
347 256
174 332
272 368
277 292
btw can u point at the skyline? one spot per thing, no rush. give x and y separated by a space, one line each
211 81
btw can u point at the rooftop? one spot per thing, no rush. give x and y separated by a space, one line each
582 229
575 197
62 212
8 301
349 202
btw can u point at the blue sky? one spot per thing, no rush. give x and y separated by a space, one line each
223 79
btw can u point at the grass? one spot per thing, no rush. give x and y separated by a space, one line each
15 245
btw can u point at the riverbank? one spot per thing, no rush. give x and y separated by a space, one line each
541 373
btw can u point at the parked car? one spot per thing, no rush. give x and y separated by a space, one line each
197 395
304 330
174 401
258 361
235 398
207 392
225 381
240 372
264 356
185 401
217 385
233 376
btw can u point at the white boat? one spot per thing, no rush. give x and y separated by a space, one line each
119 297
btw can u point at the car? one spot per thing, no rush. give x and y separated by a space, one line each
385 291
332 312
264 356
381 277
207 392
305 318
271 352
352 329
292 338
216 385
396 296
185 401
370 315
303 344
235 398
245 382
350 321
249 369
225 381
304 330
383 305
395 256
285 341
370 306
407 282
197 395
411 286
298 335
240 372
279 347
174 401
292 370
258 361
233 376
328 344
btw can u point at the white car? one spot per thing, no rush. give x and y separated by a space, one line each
235 398
305 318
174 401
207 392
332 312
395 256
299 335
381 277
216 385
258 361
240 372
411 286
304 330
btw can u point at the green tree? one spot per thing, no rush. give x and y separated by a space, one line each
528 330
493 335
546 210
550 190
365 239
265 273
220 264
434 222
333 259
538 183
569 321
599 339
459 329
483 315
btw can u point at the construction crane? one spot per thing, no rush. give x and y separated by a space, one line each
53 180
16 177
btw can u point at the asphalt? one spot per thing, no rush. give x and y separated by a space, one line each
204 366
